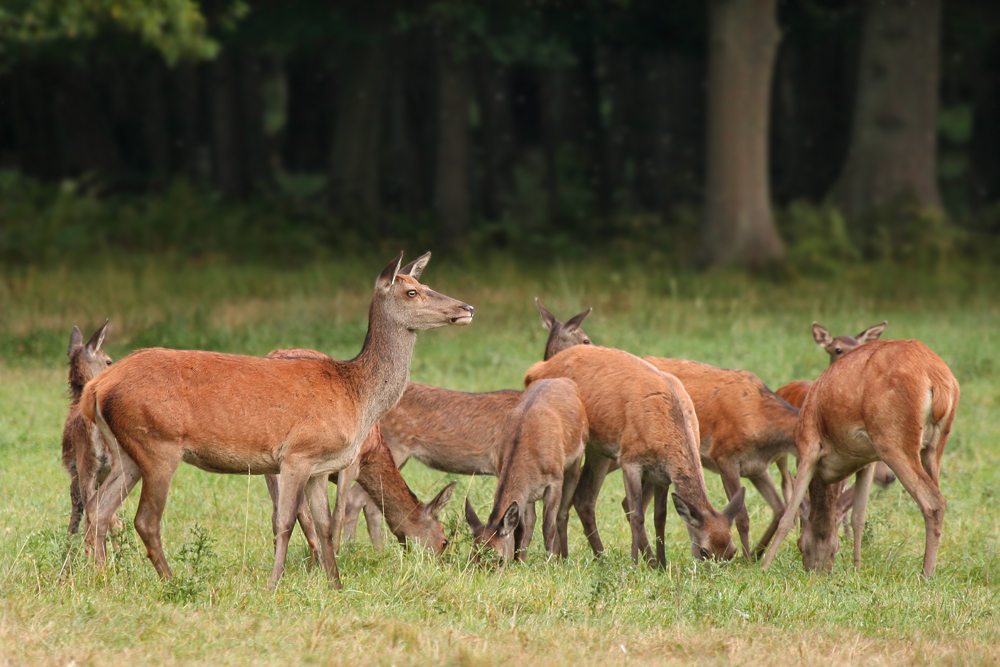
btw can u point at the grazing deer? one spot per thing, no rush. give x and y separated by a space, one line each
795 392
744 428
226 413
408 518
459 432
888 400
644 419
83 454
539 459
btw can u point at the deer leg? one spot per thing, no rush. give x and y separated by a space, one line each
807 466
595 469
373 523
786 479
862 489
319 505
152 502
522 540
730 474
356 500
291 494
921 487
76 504
571 477
102 506
551 504
632 474
660 524
345 481
765 486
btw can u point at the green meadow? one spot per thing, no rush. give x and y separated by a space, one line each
403 606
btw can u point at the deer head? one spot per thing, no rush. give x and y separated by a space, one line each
841 345
562 336
497 534
426 529
401 299
818 541
710 532
86 360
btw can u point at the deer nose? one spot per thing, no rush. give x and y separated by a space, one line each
468 308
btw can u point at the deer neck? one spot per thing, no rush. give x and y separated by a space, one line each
381 480
383 364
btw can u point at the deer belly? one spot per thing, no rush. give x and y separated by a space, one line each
226 461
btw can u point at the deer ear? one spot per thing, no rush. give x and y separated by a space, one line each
872 333
577 320
388 275
735 505
691 516
75 341
416 267
548 319
511 518
95 342
435 506
473 519
821 335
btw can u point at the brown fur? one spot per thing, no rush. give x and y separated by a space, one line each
459 432
644 419
744 428
304 418
82 447
888 400
539 459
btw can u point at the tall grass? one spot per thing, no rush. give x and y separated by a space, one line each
404 607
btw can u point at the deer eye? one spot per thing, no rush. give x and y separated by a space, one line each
444 543
839 351
411 293
586 341
109 362
704 553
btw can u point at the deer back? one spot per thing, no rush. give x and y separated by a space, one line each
794 393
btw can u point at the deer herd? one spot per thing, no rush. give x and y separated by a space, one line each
881 411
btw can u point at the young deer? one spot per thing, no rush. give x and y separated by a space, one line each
888 400
82 448
644 419
408 518
459 432
744 428
225 413
795 392
539 459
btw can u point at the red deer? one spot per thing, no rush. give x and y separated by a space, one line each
644 419
408 518
888 400
226 413
744 428
539 459
459 432
82 447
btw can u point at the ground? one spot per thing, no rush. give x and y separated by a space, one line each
406 607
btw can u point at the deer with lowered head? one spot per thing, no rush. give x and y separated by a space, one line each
459 432
83 453
539 459
376 471
644 419
795 393
893 401
303 418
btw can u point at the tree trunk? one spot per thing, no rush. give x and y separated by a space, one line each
451 169
354 167
893 147
595 135
743 40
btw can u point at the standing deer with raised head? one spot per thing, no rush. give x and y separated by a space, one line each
644 419
376 471
226 413
83 454
459 432
888 400
539 459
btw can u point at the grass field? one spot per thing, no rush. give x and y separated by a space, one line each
404 607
